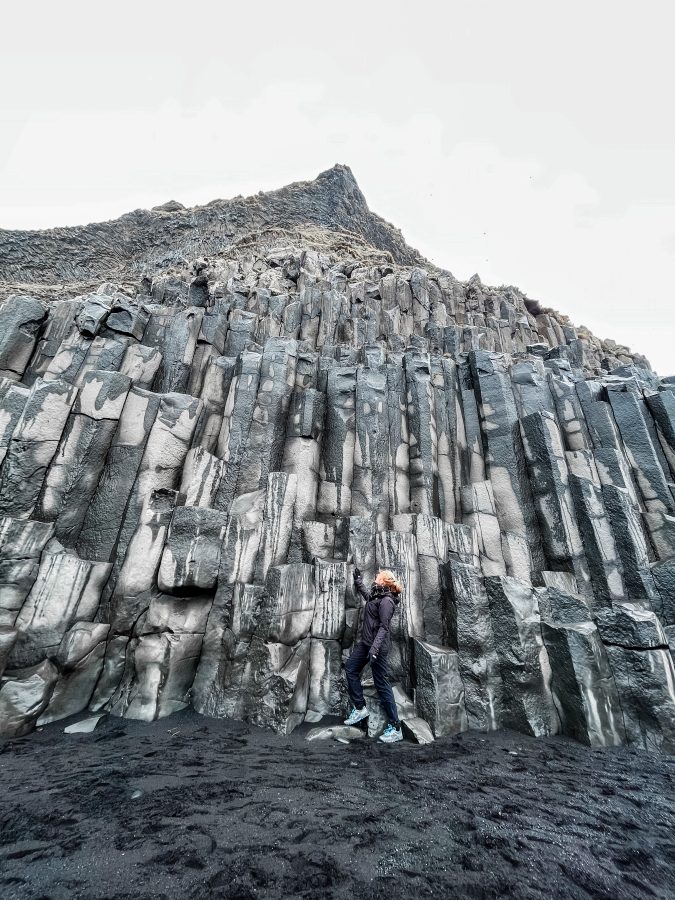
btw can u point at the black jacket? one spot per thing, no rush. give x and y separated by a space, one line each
380 607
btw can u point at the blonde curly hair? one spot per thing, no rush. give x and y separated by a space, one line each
390 581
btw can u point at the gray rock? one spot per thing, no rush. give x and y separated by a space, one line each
92 314
630 540
505 461
159 672
662 407
111 675
288 610
469 631
7 641
432 546
54 330
177 344
105 355
645 681
84 726
278 698
281 490
178 615
67 589
337 451
139 571
439 689
159 470
202 474
631 626
23 696
74 472
327 694
604 564
561 607
80 661
21 320
33 446
478 506
335 733
127 318
638 652
192 553
328 622
422 425
211 448
523 661
663 574
418 730
101 527
13 398
552 497
398 476
562 581
582 683
220 688
236 422
21 546
370 489
69 359
642 454
661 528
265 442
141 364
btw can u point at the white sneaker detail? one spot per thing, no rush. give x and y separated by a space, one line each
391 735
356 715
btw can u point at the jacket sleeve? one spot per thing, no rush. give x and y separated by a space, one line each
387 607
358 584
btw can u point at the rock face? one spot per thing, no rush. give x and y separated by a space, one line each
193 457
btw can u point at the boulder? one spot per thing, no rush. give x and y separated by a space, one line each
80 662
23 696
639 655
439 690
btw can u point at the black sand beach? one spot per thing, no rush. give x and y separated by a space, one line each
190 807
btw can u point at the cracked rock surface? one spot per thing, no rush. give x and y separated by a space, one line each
208 417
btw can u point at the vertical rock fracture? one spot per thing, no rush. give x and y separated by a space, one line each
209 416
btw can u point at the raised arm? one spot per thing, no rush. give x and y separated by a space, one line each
387 607
358 583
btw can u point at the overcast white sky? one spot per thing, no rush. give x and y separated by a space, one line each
530 142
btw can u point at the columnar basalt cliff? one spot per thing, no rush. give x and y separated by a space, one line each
209 416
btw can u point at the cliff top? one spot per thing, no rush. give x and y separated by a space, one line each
329 214
145 240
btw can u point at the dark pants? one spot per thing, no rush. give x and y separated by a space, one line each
355 665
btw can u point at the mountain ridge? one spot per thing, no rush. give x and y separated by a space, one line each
71 261
147 240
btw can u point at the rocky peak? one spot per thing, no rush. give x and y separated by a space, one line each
262 393
149 240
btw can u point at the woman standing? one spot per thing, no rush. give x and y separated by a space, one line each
373 647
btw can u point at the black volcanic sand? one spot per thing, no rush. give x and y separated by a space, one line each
190 807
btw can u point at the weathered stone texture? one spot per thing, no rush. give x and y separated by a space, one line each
235 405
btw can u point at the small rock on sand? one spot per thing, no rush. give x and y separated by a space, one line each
84 726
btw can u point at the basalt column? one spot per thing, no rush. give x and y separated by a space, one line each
204 433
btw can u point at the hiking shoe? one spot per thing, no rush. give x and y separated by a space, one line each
356 715
390 735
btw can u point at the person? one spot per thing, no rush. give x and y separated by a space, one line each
381 603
